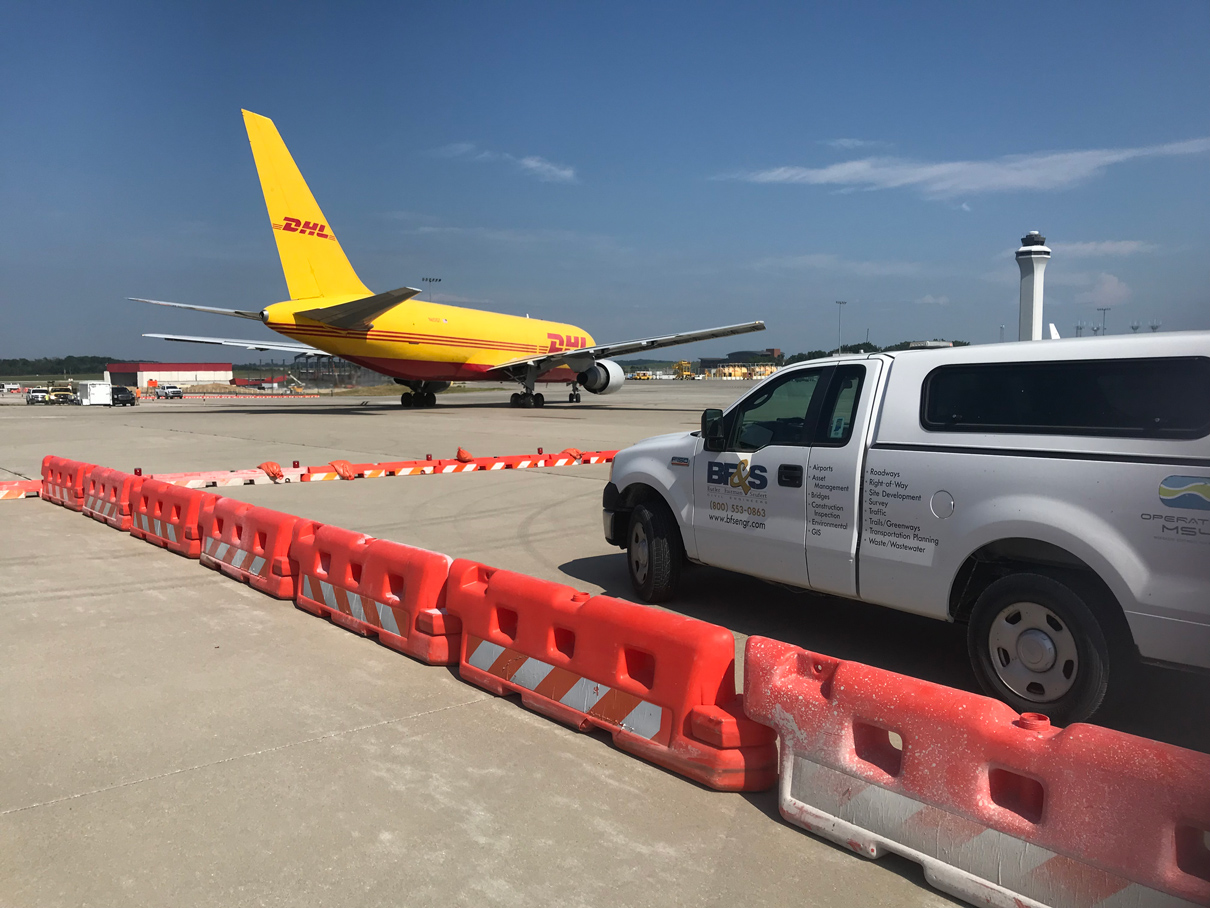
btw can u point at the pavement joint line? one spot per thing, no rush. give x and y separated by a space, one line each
16 473
255 753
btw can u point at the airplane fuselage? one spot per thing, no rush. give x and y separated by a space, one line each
423 341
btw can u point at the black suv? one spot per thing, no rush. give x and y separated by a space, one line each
123 397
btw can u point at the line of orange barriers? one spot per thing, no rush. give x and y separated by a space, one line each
999 808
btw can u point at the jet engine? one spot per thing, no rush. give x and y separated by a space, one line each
603 377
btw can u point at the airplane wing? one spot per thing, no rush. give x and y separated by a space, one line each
545 361
238 313
284 346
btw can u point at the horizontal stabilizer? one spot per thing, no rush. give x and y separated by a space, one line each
283 346
360 313
237 313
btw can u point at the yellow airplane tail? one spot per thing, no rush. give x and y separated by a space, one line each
314 264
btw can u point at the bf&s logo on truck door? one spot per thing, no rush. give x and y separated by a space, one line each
737 476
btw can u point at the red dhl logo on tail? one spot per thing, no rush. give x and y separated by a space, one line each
559 343
306 228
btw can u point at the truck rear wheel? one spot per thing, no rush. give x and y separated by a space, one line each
1035 644
653 552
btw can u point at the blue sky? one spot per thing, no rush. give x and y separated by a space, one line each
630 168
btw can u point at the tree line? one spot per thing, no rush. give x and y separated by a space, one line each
55 365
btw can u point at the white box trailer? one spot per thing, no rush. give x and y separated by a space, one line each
95 393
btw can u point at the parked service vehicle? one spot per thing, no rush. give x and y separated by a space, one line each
12 387
168 392
36 396
1052 495
122 396
95 393
62 396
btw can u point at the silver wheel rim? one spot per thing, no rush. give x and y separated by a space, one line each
640 553
1033 652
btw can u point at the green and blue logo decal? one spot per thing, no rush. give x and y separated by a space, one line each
1191 492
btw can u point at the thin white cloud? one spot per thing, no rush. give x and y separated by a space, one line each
850 144
546 171
532 165
1108 290
1102 247
827 261
1037 171
929 300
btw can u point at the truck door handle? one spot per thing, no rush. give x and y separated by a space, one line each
790 474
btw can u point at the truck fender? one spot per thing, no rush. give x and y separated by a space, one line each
1067 526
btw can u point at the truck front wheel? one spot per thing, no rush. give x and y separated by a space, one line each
1035 644
653 552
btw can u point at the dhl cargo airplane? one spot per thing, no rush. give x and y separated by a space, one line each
421 345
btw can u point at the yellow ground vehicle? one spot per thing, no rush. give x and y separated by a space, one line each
61 396
683 370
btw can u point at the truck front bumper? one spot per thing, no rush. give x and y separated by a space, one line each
615 528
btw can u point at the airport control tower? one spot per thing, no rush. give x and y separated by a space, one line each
1031 259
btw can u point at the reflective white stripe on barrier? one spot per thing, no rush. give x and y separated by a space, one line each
643 719
240 559
997 869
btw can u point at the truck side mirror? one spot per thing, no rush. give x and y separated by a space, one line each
712 430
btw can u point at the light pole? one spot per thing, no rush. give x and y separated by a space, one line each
1001 334
431 281
1103 310
840 326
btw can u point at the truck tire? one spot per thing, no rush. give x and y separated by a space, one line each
653 552
1035 644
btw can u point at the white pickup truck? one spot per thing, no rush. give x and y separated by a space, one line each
1052 495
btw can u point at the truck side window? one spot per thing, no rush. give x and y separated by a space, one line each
836 421
776 413
1130 398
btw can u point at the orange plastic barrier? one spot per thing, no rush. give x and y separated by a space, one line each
221 478
999 809
377 588
250 544
462 462
63 481
168 516
20 488
662 684
108 496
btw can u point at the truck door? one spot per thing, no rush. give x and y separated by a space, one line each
750 499
834 478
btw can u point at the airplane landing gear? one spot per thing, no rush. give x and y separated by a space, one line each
574 396
526 400
418 397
